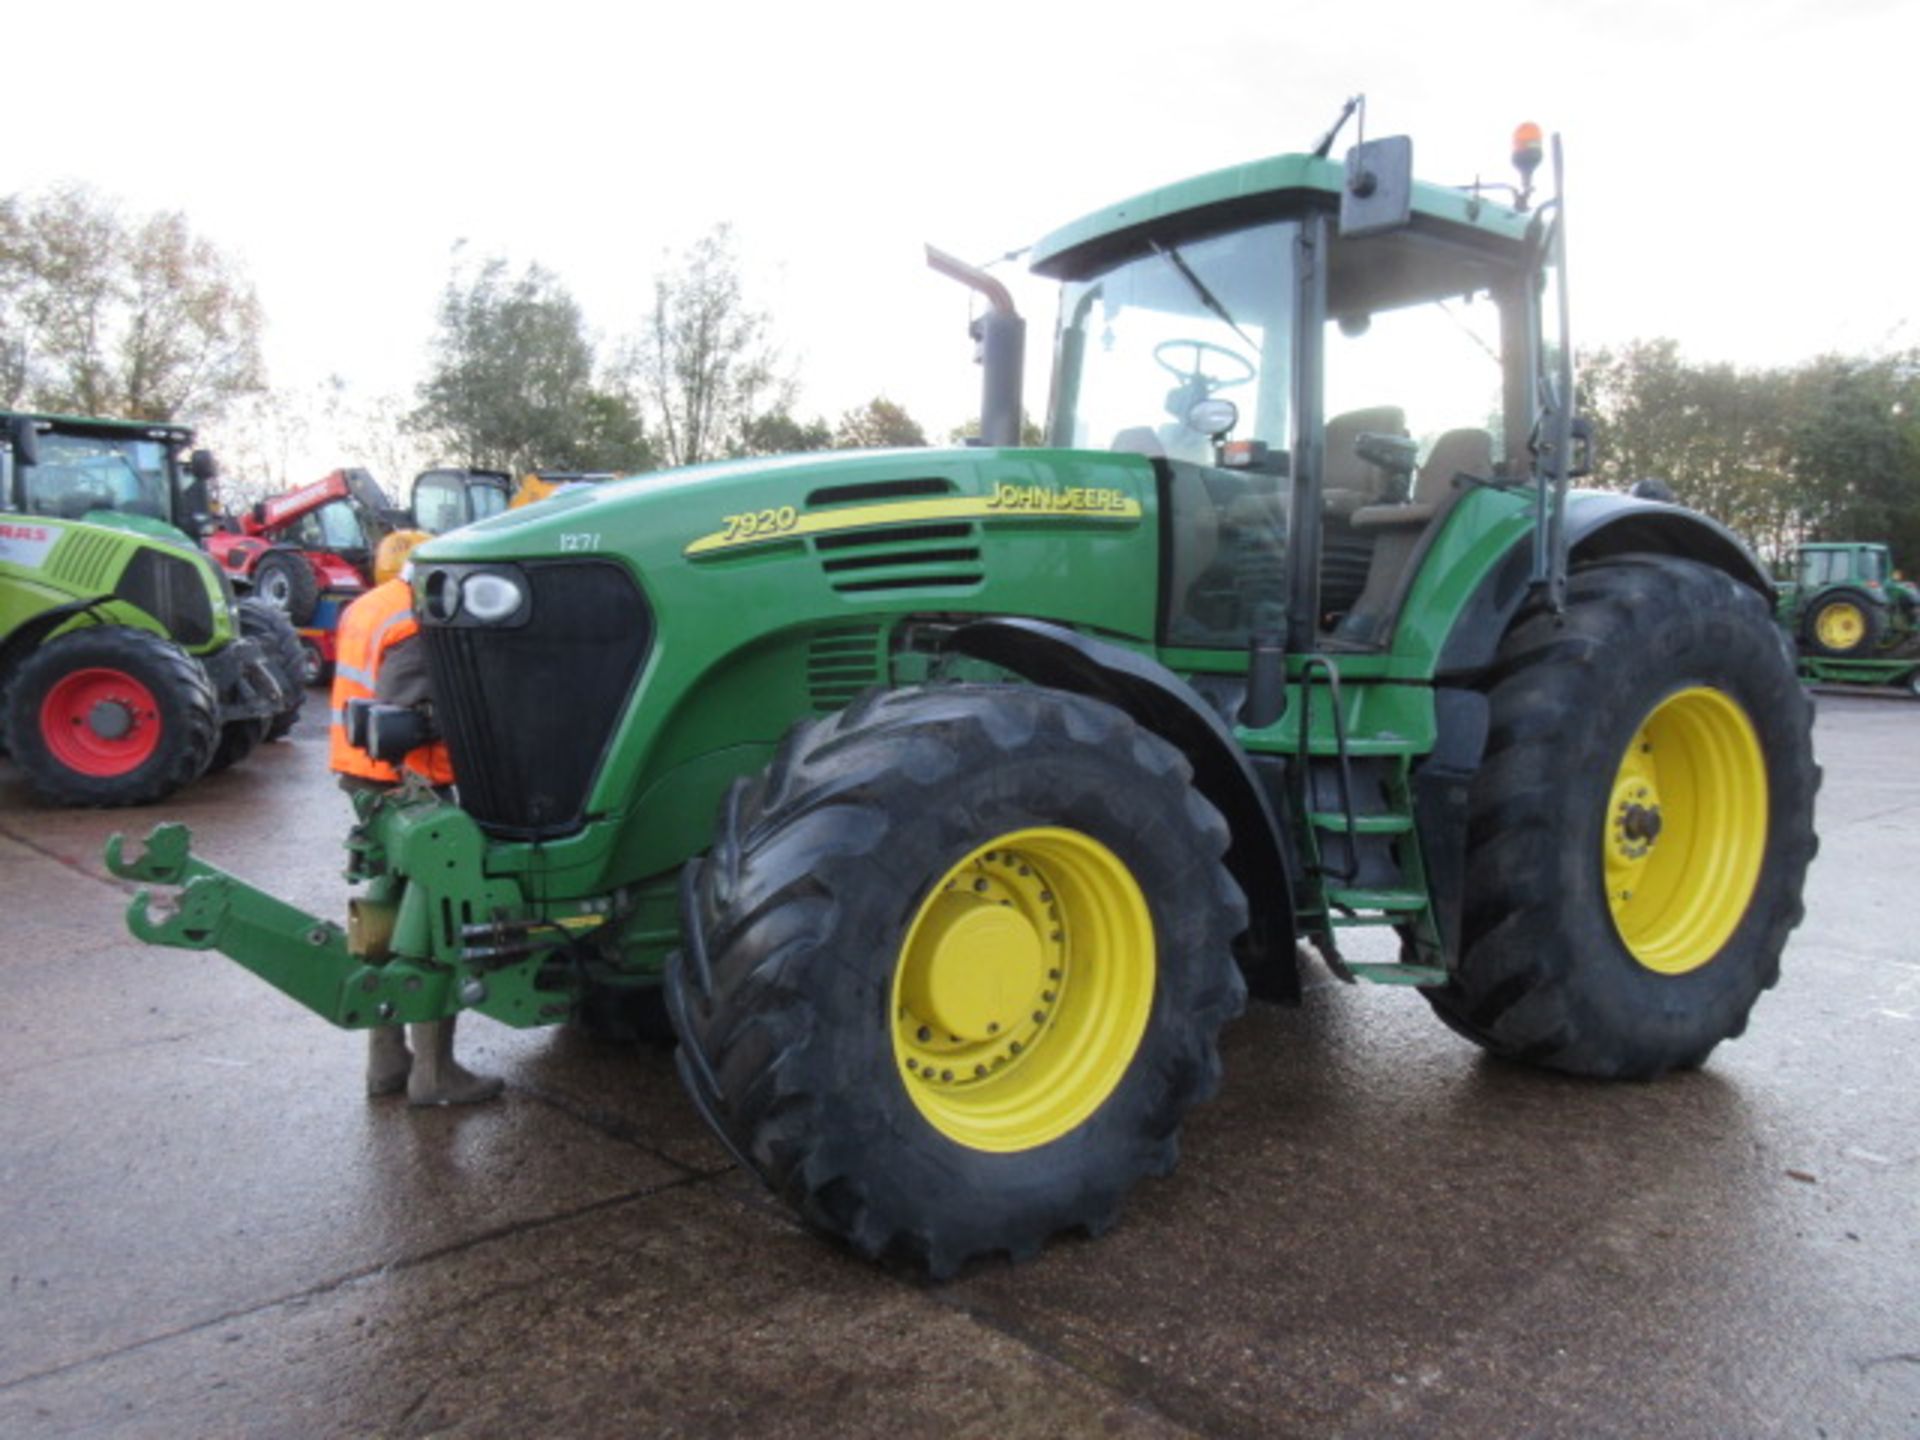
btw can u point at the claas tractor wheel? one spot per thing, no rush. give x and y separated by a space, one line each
270 628
109 715
1641 827
955 968
238 739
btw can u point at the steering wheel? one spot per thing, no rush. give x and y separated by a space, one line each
1240 369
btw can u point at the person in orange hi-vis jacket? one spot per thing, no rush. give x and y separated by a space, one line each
379 657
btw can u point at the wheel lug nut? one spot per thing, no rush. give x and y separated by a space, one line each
946 1074
979 1069
1047 995
1046 897
1039 1017
923 1034
979 885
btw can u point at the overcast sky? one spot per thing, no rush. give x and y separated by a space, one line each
1741 176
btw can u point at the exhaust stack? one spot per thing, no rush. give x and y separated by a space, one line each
1001 339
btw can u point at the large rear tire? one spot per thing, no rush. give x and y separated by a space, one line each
955 969
109 715
1641 827
1845 623
270 627
285 581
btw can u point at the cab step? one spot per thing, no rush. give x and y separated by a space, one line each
1381 973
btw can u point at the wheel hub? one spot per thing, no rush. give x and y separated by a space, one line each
1686 830
982 966
100 721
1023 987
1841 626
110 719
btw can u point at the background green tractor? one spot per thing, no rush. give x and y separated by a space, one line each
1847 602
126 669
952 800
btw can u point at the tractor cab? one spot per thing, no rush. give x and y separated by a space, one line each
70 468
1316 392
447 499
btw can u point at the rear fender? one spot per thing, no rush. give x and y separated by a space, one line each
1598 527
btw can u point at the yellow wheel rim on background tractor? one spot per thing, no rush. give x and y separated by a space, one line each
1686 830
1841 626
1023 989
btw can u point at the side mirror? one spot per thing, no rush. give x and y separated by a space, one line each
202 466
1580 460
1378 195
26 441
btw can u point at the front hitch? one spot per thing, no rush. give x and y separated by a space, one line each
301 955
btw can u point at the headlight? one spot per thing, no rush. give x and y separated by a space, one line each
443 594
490 596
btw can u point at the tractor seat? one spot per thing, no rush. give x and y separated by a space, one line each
1457 452
1350 483
1396 531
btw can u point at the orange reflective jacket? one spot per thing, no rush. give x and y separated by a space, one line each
374 624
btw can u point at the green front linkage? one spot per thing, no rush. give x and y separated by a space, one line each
432 934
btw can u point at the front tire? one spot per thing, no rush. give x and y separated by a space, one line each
955 969
285 581
1640 828
109 715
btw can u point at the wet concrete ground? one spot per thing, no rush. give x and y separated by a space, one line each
1374 1231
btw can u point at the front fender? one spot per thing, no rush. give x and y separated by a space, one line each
1156 698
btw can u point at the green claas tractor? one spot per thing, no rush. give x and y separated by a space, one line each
126 669
951 801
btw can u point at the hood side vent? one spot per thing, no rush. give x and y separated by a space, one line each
843 660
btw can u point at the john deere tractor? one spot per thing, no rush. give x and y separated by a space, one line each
126 669
951 801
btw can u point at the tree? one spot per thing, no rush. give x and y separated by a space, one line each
778 433
513 383
1031 435
704 362
879 424
1717 434
1856 451
100 316
1826 449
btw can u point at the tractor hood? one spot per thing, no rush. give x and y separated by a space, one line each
144 526
764 507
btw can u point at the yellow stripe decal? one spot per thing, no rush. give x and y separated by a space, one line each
1008 502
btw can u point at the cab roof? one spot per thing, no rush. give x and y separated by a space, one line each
1241 194
93 425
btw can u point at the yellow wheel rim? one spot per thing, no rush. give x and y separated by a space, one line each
1841 626
1023 989
1686 830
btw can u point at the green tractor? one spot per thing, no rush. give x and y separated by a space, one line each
126 668
1846 601
951 801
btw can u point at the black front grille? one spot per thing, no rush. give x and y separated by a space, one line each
528 709
172 589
